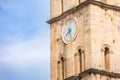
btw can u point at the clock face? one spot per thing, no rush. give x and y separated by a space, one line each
69 31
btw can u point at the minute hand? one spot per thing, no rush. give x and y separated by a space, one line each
69 31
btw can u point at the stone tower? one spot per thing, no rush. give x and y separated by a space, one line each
85 39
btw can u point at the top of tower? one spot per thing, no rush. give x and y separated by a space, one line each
59 11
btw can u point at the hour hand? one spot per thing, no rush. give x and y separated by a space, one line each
69 30
70 36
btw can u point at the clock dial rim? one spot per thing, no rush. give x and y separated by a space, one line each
63 29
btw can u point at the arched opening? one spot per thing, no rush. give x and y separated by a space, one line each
58 70
63 67
80 59
107 58
79 1
61 5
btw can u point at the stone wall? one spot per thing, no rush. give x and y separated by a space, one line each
69 51
105 26
60 6
98 28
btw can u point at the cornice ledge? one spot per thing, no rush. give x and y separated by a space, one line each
97 3
94 71
101 72
72 78
68 12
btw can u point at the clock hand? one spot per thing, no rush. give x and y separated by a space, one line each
68 32
70 36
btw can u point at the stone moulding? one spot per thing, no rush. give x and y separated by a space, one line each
94 71
72 78
101 72
97 3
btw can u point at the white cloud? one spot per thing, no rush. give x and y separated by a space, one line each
22 50
28 52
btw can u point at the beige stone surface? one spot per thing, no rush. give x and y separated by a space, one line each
98 28
58 47
60 6
68 4
56 8
105 31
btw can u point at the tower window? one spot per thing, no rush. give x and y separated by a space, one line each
81 59
62 5
58 70
79 1
107 58
63 67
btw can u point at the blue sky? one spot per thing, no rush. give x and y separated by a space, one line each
24 40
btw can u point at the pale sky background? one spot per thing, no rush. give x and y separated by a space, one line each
24 40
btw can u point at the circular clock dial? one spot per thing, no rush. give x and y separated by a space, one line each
69 31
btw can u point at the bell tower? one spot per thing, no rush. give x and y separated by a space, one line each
85 39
